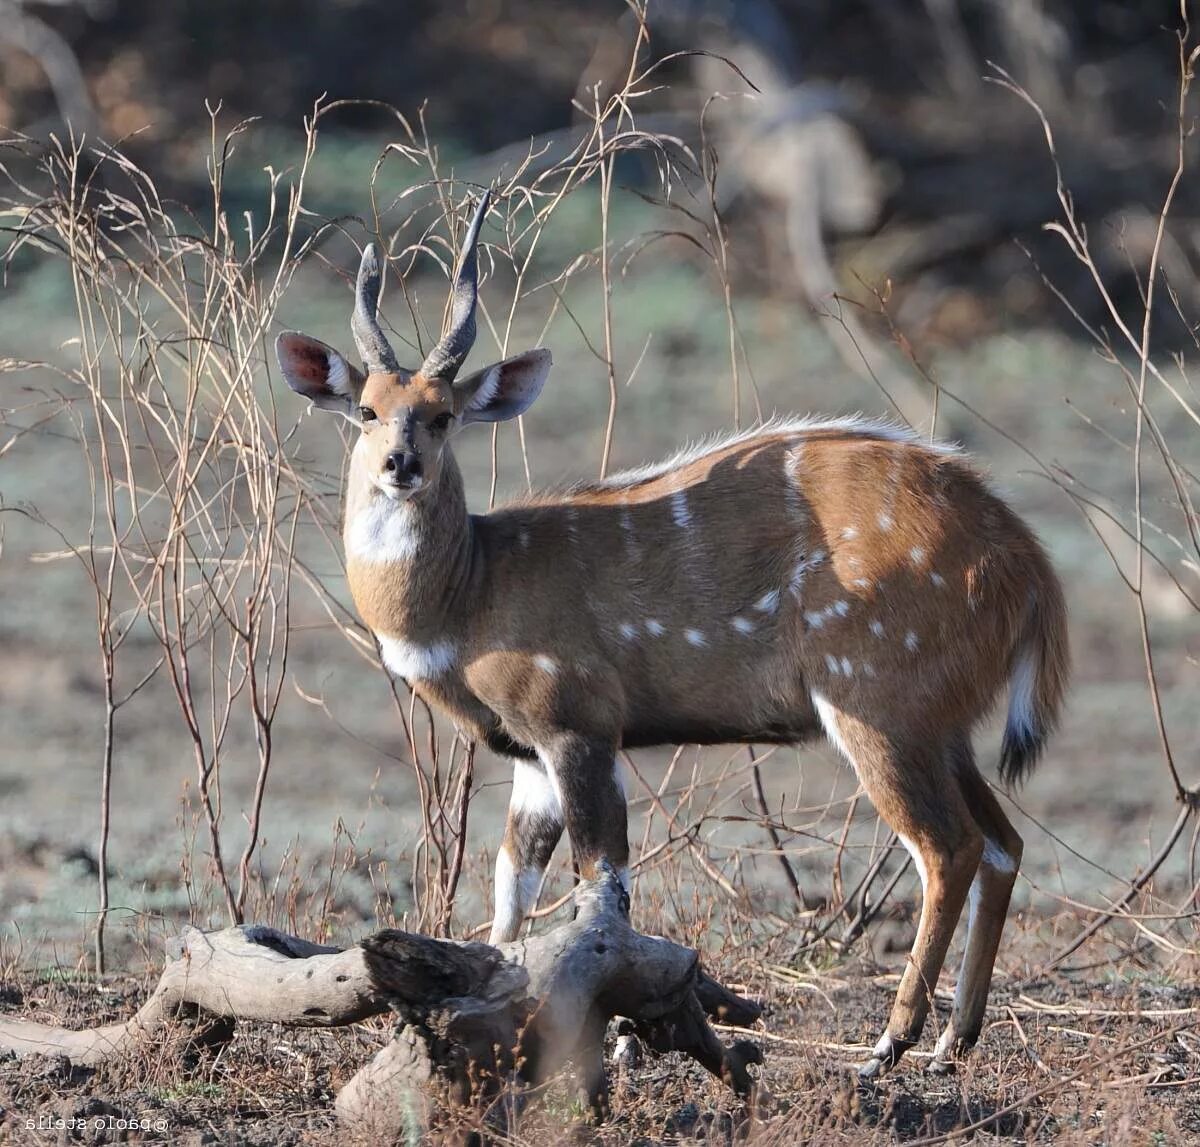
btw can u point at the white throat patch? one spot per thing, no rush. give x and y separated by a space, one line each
383 531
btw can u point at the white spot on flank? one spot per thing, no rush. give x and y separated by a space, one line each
849 533
996 857
679 509
383 531
847 667
911 640
696 638
523 538
796 583
768 603
885 521
628 631
877 627
546 664
918 863
416 662
815 619
916 555
655 628
742 625
937 579
861 583
831 663
841 608
868 669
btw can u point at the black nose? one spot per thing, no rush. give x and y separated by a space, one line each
402 465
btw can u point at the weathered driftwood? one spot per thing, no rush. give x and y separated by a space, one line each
473 1017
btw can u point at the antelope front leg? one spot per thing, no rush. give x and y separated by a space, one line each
585 777
535 824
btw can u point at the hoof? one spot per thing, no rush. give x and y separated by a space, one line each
886 1055
941 1067
871 1070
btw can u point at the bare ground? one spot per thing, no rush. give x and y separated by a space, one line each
1109 1053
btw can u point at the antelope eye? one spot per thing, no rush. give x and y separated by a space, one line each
441 422
366 414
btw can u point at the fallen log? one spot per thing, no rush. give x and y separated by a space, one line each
478 1025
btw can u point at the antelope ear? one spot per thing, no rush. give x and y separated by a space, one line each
318 372
504 389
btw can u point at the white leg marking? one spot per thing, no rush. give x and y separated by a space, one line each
696 638
416 662
918 863
534 792
507 917
943 1048
995 857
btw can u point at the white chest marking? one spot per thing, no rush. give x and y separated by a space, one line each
416 662
383 532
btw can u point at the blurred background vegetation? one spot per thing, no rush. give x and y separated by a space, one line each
860 150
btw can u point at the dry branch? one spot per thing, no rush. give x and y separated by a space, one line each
472 1015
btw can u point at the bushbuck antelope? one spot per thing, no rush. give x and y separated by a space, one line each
807 577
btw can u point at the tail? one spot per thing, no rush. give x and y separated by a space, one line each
1038 679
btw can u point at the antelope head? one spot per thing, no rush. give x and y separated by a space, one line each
407 417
